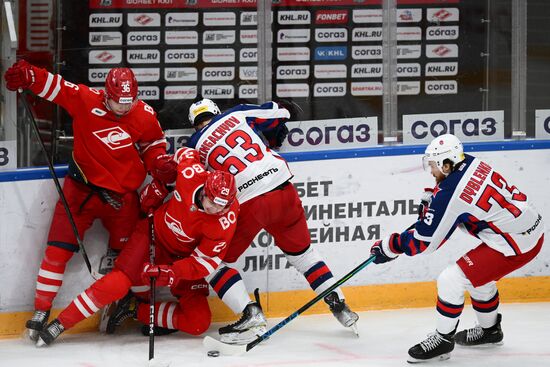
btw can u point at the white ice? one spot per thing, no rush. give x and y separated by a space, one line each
385 337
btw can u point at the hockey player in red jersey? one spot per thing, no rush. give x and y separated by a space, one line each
472 196
231 142
191 230
117 140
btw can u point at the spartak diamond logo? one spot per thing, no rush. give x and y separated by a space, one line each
114 137
143 19
176 228
105 56
441 50
441 14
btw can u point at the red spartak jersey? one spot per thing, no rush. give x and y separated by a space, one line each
110 150
186 231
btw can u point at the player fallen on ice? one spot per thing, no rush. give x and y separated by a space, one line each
231 142
471 195
191 231
117 140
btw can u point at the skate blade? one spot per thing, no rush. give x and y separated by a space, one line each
355 330
482 346
33 335
442 357
41 343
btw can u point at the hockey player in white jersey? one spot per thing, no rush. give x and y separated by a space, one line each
231 142
472 196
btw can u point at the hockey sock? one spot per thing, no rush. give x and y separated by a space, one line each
486 311
451 285
229 286
194 319
50 276
107 289
314 269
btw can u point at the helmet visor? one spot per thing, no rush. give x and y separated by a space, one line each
426 160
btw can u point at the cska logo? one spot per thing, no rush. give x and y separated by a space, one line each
114 137
175 226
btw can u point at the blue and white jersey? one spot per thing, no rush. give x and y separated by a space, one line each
483 203
230 142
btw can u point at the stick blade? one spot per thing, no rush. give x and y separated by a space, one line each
210 343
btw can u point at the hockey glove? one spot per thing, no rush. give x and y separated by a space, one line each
277 136
381 250
19 76
152 196
163 274
186 153
425 201
165 169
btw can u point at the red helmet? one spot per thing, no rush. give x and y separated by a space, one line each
121 85
220 188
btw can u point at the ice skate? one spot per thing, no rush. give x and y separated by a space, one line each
481 337
251 325
342 312
125 309
436 347
37 323
50 333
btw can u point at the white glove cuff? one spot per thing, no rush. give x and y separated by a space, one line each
385 245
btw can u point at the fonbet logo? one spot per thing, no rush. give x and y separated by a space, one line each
114 137
331 17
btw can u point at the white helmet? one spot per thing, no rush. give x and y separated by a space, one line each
443 147
204 108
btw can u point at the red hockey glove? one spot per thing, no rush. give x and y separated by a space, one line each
164 168
163 274
186 153
381 251
19 75
152 196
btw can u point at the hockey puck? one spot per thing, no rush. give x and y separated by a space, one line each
213 353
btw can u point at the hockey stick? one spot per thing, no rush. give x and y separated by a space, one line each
57 184
152 290
212 344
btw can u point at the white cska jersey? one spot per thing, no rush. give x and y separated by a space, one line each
488 207
230 143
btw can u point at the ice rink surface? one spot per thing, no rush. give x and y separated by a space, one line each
307 341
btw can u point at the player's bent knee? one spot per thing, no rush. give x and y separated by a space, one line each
114 285
451 282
